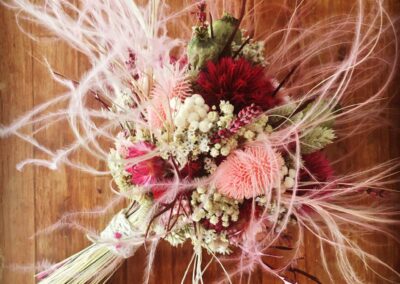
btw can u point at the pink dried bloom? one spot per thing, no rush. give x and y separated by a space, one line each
201 13
245 117
249 172
159 110
146 172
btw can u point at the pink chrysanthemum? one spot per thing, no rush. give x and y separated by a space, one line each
249 172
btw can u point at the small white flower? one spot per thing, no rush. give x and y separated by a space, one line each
214 153
202 112
289 182
249 135
292 173
226 107
225 151
201 190
194 125
204 146
214 220
180 121
217 196
208 205
194 116
205 125
198 99
213 116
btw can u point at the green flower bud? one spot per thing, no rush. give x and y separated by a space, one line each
201 48
224 27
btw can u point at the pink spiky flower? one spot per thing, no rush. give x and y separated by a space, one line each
159 111
249 172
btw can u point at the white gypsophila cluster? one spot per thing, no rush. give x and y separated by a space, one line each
194 122
276 214
209 165
187 145
117 169
179 236
253 51
211 205
226 114
216 242
222 121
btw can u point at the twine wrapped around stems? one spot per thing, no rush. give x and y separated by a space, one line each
96 264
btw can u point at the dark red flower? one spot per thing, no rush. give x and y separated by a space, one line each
316 167
237 81
193 169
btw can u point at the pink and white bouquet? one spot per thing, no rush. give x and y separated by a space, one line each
217 141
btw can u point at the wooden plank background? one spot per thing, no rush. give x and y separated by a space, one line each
35 198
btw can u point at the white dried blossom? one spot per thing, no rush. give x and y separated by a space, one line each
226 107
289 182
214 153
216 242
213 116
214 207
225 150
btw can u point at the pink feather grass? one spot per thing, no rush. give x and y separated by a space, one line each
105 31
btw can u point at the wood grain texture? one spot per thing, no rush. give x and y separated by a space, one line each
35 198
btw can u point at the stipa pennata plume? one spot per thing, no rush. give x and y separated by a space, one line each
217 134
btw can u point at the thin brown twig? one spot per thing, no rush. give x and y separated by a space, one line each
76 83
241 47
287 77
211 26
308 275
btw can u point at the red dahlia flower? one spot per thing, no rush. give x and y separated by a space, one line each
237 81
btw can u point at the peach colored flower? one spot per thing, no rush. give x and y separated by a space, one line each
158 112
249 172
